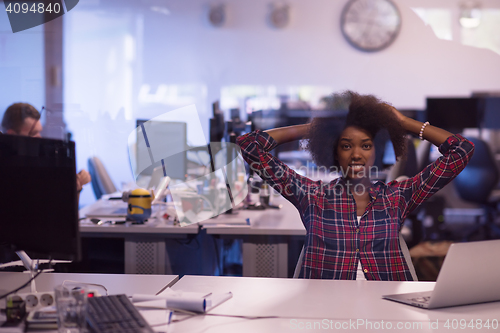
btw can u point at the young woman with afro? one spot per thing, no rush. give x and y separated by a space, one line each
352 222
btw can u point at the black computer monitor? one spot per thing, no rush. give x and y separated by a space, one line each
491 110
39 200
454 114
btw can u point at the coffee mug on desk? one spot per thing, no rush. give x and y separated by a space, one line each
139 204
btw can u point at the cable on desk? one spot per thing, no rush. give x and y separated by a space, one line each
194 314
24 285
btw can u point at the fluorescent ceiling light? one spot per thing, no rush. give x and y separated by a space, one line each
470 15
161 10
470 22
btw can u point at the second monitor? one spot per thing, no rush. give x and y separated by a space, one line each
163 137
454 114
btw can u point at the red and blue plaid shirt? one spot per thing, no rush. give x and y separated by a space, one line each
335 242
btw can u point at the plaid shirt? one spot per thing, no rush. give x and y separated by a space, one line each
335 242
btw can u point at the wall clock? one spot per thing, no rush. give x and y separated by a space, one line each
217 15
370 25
279 15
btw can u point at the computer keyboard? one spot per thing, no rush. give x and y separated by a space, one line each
114 313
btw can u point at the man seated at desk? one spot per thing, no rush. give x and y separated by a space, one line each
24 119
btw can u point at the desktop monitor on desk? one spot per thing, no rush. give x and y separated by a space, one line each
166 138
39 201
491 109
454 114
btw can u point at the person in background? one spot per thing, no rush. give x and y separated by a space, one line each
24 119
353 222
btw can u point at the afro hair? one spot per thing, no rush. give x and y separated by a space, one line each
364 111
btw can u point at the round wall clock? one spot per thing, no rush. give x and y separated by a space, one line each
279 15
370 25
217 15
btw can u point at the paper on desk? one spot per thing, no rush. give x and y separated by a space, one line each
226 220
116 194
219 298
182 300
223 225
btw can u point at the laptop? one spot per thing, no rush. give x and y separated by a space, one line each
111 206
470 274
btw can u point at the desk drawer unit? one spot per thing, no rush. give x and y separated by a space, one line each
265 259
143 256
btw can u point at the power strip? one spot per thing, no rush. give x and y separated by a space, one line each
36 300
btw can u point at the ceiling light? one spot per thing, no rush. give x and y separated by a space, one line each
160 9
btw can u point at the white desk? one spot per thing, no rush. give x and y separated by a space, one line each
145 250
265 241
305 302
114 283
269 222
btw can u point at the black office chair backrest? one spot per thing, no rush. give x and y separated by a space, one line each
411 166
480 176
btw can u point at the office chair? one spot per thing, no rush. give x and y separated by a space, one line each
476 183
404 249
405 166
423 153
101 181
403 169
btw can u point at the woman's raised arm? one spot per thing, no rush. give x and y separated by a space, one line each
289 133
433 134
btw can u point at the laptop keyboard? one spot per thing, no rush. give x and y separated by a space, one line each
115 313
424 299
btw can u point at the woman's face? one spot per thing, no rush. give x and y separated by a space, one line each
355 152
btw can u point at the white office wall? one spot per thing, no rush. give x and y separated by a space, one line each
22 71
311 50
126 61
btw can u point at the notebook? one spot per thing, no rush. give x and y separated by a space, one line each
110 205
470 274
